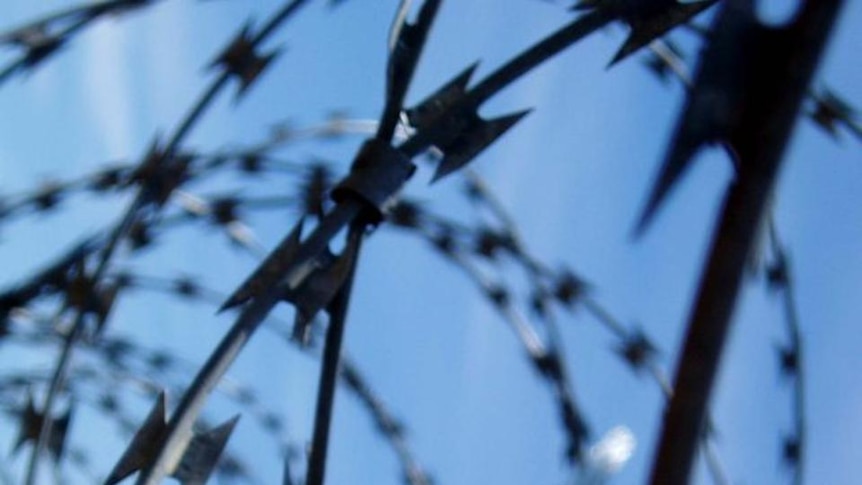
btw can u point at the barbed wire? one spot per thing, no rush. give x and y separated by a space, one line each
779 278
160 172
165 170
41 39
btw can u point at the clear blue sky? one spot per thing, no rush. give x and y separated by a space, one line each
574 174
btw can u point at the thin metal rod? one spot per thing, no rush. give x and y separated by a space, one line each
58 378
540 52
330 366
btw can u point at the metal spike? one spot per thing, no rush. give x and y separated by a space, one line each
202 455
186 287
428 110
830 111
240 59
489 242
38 42
160 173
146 441
269 272
53 276
569 288
318 290
792 451
474 138
27 37
160 361
405 50
108 403
686 145
79 288
31 425
140 235
549 365
406 214
539 303
777 273
196 463
652 19
353 379
47 197
82 295
224 210
713 107
103 304
107 179
116 350
57 442
637 350
789 361
576 428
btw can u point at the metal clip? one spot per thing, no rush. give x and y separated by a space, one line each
377 173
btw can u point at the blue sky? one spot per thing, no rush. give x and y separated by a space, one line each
574 174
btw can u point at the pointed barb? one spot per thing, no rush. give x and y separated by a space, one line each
637 350
51 278
38 42
473 139
792 451
428 110
712 110
269 272
57 441
31 425
675 165
319 289
254 69
654 19
47 197
241 60
202 455
788 358
197 462
104 304
831 111
144 445
160 173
